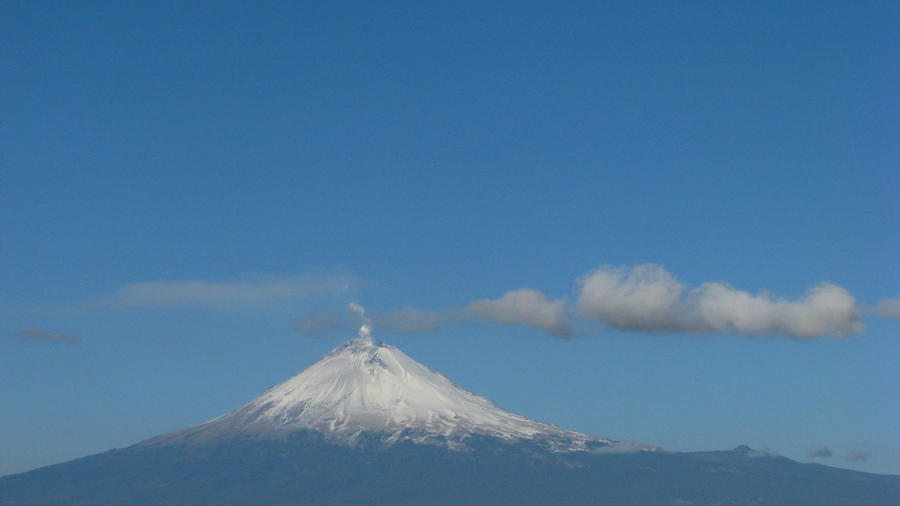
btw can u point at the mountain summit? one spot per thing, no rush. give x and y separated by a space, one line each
366 387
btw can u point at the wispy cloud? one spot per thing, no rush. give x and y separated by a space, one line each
762 451
857 456
36 333
888 308
622 447
817 451
648 298
526 307
246 291
411 320
321 324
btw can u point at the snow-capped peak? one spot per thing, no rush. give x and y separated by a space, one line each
366 386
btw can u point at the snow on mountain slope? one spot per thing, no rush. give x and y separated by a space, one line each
365 386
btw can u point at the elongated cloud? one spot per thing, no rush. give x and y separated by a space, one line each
622 447
411 320
825 310
321 324
254 290
889 308
526 307
762 451
817 451
36 333
648 298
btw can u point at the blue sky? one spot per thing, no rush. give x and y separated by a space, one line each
183 185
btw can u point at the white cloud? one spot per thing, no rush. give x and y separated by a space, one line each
525 307
889 308
645 297
825 310
251 290
648 298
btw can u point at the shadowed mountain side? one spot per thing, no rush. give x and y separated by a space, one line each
306 469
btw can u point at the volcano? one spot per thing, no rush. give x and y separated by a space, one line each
368 390
367 424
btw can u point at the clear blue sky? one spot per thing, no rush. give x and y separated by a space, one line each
181 184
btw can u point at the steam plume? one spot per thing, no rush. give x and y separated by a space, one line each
365 329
